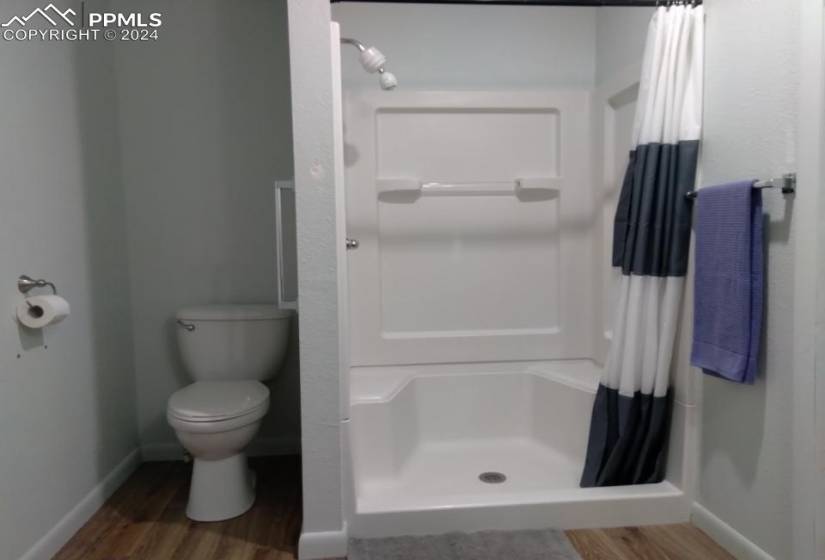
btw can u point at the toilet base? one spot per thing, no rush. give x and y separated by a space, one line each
220 489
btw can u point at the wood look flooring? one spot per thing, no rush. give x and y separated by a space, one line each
657 542
146 520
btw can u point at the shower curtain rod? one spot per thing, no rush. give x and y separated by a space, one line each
647 3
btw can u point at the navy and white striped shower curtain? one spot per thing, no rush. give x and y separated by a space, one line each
630 424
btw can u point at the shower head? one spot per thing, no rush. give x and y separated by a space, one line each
387 80
373 61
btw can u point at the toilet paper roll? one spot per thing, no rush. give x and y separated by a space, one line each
37 312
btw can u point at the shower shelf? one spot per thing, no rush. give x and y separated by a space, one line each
528 189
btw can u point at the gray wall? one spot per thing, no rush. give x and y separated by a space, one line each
750 128
432 46
205 127
67 415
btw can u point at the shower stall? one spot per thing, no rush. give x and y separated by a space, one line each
478 284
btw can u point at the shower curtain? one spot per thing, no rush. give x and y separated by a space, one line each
651 239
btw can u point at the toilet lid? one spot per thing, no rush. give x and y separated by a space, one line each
210 401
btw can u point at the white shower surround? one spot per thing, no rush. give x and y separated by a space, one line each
482 269
419 435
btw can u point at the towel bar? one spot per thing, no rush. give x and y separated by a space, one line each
787 183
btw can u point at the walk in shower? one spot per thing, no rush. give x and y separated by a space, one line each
480 289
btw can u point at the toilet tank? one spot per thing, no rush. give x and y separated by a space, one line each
233 342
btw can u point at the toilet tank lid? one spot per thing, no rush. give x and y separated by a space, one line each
233 312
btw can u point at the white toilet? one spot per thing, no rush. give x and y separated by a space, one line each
228 350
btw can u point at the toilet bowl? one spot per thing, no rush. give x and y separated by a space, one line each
228 350
215 421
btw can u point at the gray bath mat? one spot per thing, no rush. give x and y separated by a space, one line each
547 544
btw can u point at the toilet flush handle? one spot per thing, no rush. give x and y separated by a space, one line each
188 326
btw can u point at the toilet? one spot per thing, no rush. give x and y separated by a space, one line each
228 350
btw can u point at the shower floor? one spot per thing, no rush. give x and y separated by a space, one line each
420 436
441 474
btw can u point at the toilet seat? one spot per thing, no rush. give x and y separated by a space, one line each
217 406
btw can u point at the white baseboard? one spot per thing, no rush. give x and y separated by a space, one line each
726 536
60 534
323 544
173 451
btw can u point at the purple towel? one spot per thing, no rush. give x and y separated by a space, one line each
727 321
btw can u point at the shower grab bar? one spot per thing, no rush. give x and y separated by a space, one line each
543 187
284 212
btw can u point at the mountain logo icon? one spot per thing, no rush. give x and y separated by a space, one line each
50 13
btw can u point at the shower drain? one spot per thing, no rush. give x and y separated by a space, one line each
492 477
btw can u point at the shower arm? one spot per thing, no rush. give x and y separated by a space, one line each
373 61
354 42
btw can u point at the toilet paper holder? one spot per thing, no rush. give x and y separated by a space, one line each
26 284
